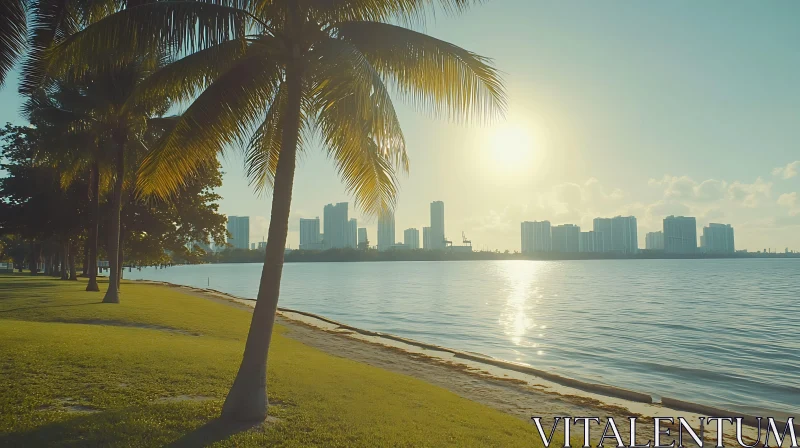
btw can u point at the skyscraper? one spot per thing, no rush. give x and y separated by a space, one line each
590 242
654 241
411 238
386 236
718 239
437 225
602 226
619 234
310 238
624 235
566 238
335 226
426 238
363 241
536 237
351 236
680 235
239 228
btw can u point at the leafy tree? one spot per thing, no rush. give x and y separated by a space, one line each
269 73
155 228
34 206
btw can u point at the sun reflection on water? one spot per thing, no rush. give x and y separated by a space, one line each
517 317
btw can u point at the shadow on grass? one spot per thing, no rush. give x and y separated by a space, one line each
212 432
144 426
48 306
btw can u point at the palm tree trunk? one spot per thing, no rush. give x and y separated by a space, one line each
121 253
73 249
93 226
112 293
85 264
33 264
65 260
247 399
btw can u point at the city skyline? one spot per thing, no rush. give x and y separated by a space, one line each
679 234
562 155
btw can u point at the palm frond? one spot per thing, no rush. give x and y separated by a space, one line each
347 83
52 22
223 114
261 156
358 125
436 76
404 11
13 29
175 26
368 174
182 79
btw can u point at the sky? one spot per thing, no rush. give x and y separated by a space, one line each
615 108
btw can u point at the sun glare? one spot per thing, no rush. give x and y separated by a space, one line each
512 146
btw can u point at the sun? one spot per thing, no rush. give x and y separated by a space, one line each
512 146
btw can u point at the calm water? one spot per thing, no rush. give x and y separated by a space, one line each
718 332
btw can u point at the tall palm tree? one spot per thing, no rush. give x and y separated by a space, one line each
266 74
74 140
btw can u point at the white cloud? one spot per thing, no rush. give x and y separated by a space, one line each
687 189
749 195
788 171
790 201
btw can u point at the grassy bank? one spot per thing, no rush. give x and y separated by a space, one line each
154 370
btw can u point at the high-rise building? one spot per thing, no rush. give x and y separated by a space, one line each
335 226
386 235
619 234
603 227
718 239
680 235
591 242
536 237
624 235
411 238
363 241
426 238
310 238
351 237
437 225
566 238
239 228
654 240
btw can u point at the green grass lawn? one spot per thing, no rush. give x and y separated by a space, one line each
75 372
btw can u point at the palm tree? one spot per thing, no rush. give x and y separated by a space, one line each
100 106
73 139
269 73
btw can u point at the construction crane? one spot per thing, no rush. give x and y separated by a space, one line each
465 240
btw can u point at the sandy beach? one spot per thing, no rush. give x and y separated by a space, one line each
513 389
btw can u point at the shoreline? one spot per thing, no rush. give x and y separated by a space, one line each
559 387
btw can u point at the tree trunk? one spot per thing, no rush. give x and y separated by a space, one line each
65 261
247 399
121 258
112 293
33 264
73 249
85 264
94 221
